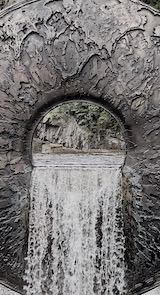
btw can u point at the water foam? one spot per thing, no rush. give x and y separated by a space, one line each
76 239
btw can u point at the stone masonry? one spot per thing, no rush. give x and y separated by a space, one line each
103 51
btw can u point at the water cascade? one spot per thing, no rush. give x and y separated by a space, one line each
76 240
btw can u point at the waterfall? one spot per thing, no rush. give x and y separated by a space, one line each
76 240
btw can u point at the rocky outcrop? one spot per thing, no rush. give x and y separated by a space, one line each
69 134
5 3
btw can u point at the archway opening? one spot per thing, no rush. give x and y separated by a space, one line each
76 225
78 127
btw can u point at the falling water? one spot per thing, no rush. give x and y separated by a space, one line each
76 241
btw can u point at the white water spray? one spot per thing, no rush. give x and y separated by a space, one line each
76 240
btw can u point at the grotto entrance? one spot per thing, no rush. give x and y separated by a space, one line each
60 50
76 226
82 127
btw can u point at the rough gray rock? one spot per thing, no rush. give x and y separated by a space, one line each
102 51
70 134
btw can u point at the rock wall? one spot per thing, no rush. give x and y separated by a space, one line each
105 52
69 134
5 3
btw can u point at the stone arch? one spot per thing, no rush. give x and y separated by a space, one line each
60 49
40 113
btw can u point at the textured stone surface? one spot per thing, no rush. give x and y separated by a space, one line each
104 51
6 291
155 291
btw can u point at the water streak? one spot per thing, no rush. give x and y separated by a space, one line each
76 240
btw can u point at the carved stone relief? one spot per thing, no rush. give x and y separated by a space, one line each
107 52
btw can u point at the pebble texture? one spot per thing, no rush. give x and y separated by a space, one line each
104 51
